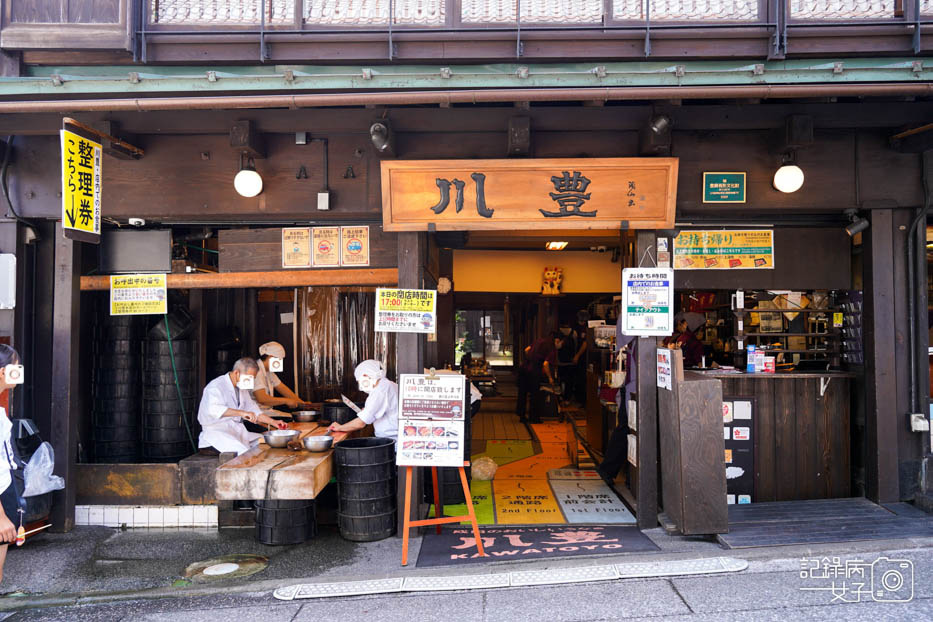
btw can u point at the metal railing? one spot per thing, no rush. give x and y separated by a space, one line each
389 17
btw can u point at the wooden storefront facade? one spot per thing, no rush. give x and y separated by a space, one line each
185 182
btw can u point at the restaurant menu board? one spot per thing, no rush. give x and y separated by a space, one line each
138 294
354 246
296 247
325 247
724 250
738 434
430 420
647 301
406 310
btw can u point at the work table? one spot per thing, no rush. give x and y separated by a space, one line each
266 472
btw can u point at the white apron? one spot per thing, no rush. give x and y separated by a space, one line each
225 433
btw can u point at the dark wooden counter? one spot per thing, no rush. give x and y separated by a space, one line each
801 435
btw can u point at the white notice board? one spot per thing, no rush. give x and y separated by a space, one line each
647 302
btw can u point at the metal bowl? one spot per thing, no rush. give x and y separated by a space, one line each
305 416
318 443
280 438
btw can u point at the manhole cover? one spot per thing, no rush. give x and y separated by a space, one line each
226 567
219 569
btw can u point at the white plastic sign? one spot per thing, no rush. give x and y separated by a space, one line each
647 302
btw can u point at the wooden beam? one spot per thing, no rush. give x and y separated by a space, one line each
296 278
65 406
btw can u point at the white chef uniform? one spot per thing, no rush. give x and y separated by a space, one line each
381 409
225 433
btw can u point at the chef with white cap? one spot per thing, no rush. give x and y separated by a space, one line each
271 357
381 408
226 403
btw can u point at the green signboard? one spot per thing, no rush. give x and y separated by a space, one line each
724 187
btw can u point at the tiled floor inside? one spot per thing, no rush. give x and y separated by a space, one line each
544 477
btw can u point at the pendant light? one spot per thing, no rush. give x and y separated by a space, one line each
248 183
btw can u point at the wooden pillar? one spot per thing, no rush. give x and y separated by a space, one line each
410 348
446 324
65 403
646 497
881 418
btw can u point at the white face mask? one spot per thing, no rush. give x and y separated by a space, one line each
276 364
367 384
13 374
245 382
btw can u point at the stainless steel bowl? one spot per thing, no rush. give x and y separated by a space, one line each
305 416
280 438
318 443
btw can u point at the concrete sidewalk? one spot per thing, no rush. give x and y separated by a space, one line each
770 589
100 564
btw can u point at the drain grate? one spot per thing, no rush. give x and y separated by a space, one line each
564 575
462 582
348 588
522 578
681 567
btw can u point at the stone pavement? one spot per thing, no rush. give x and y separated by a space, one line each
768 590
108 574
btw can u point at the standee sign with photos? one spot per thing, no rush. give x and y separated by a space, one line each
431 420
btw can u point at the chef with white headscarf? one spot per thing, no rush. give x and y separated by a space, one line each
225 404
381 408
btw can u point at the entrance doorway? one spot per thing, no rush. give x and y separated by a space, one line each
541 468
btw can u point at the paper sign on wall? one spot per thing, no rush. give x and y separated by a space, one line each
633 449
430 423
354 246
647 301
325 246
406 310
296 247
82 181
138 294
664 368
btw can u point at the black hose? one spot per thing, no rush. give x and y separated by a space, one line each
181 400
926 163
6 188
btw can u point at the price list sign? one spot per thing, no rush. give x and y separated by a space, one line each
430 421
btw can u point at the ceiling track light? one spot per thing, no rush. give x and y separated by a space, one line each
380 132
857 224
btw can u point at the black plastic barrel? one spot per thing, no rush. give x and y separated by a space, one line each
338 412
366 488
285 522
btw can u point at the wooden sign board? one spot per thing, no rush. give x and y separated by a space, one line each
590 193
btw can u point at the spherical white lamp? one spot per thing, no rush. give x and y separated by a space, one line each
788 178
248 183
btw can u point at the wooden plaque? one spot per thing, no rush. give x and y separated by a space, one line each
590 193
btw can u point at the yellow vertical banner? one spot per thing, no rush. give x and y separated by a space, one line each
81 187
